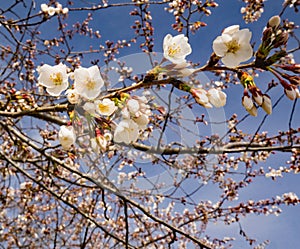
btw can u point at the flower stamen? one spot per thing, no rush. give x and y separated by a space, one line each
233 46
57 78
174 49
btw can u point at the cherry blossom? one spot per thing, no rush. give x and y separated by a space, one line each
138 110
233 46
176 48
88 82
66 136
73 96
127 131
105 107
54 78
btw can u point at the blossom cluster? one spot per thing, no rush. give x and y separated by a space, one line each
86 89
49 10
128 116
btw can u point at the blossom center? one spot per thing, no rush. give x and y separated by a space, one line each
57 78
90 84
173 49
103 108
232 46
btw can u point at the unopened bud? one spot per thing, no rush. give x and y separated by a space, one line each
253 111
274 22
267 104
266 38
256 95
281 40
291 91
247 102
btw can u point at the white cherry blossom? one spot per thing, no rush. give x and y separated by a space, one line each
88 82
176 48
73 96
54 78
127 131
233 46
66 136
133 106
105 107
44 7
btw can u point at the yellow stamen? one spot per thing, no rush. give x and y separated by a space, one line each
173 49
232 46
103 108
57 78
90 84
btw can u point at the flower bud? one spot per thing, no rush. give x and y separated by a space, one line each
256 95
266 38
253 111
267 104
291 91
247 102
201 97
281 39
216 97
274 22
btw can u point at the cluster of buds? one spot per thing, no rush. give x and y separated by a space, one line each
58 9
274 36
258 98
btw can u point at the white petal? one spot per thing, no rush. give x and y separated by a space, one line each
57 90
219 46
243 36
66 136
231 29
244 53
230 60
133 106
216 97
142 121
